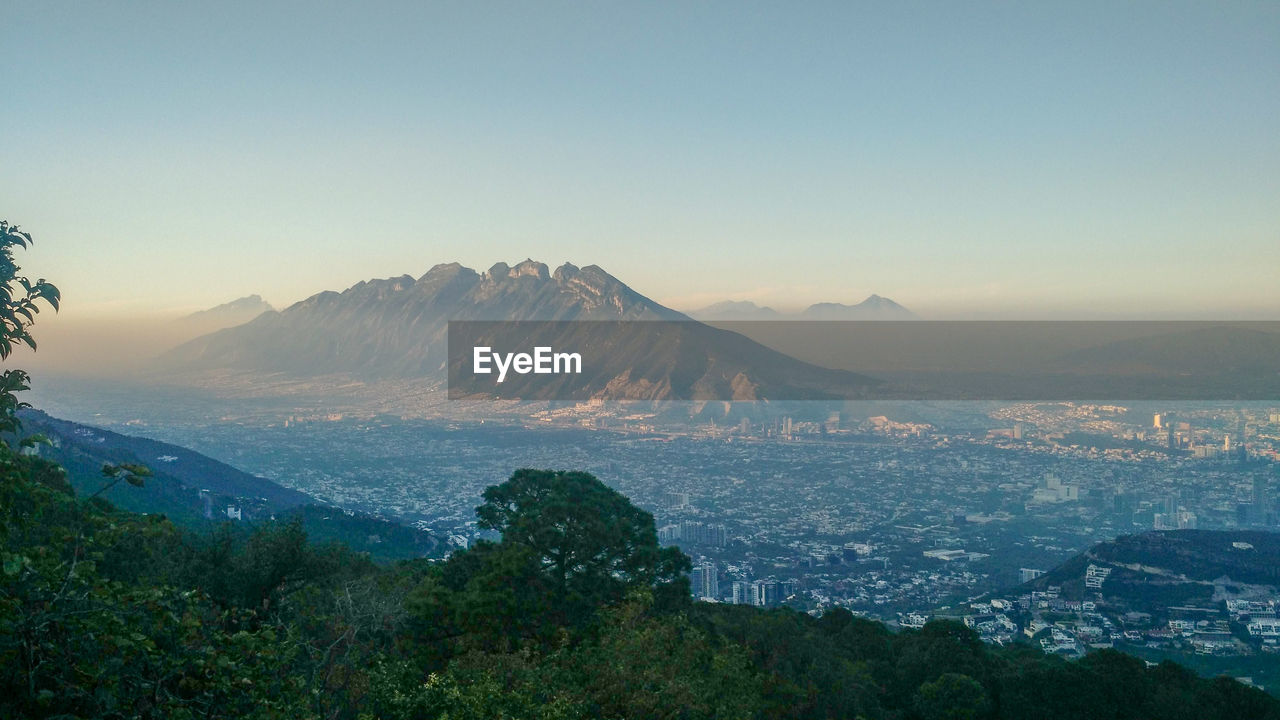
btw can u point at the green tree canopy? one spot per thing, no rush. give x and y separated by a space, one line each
592 543
952 697
18 308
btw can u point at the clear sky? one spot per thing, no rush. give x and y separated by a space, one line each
1112 157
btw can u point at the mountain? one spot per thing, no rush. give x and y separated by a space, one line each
873 308
193 489
397 328
736 310
236 312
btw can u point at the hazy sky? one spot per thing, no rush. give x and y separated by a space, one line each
959 157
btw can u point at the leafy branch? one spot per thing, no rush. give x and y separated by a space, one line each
129 472
19 305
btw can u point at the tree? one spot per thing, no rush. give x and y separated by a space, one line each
662 667
570 547
952 697
17 313
591 542
940 647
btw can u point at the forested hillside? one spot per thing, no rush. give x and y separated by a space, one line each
196 491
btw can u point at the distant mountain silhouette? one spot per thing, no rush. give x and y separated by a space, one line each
236 312
397 328
736 310
873 308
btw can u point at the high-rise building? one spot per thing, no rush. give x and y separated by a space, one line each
1186 520
691 532
704 581
743 593
696 581
669 534
786 589
710 581
1121 502
771 593
1261 501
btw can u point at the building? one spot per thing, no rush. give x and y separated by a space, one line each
1266 628
669 534
1052 490
690 532
1261 501
1026 575
1094 576
771 593
704 582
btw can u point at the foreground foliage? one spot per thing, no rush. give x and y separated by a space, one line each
576 613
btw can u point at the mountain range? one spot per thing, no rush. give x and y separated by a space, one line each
874 307
397 328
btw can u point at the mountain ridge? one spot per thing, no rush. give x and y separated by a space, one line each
228 314
193 489
397 327
874 307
